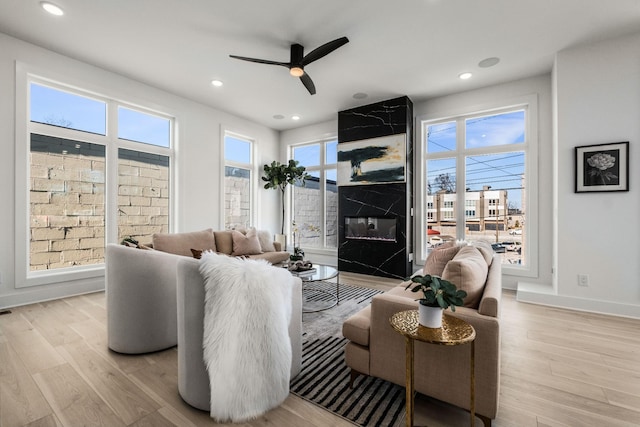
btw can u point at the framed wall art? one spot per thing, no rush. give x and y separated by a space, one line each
602 167
373 161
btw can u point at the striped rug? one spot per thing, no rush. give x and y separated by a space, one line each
324 379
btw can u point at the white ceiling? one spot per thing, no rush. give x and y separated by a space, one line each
409 47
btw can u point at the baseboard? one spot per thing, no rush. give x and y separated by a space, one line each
545 295
51 292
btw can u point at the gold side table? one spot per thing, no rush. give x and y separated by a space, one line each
454 331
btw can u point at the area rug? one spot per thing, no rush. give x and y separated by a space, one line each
324 379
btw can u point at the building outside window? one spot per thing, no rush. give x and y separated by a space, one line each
238 182
487 152
314 207
70 146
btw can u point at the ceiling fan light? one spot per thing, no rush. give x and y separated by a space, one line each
296 71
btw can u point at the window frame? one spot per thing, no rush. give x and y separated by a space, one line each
530 147
252 166
25 76
322 167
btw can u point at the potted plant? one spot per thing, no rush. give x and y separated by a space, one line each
438 295
279 176
298 253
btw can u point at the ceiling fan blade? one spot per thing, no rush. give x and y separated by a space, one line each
260 61
324 50
308 83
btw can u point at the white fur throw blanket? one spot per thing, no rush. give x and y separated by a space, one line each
247 349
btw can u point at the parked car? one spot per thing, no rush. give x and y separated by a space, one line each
511 246
498 248
515 231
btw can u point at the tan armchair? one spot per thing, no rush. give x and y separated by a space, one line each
441 372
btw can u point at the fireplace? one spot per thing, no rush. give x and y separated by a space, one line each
375 206
371 229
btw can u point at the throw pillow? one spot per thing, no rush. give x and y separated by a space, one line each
197 254
181 243
266 241
224 241
438 259
468 271
245 244
485 249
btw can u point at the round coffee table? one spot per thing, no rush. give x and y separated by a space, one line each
313 298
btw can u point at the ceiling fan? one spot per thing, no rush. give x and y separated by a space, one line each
299 60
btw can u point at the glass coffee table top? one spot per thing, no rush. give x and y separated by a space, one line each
316 298
319 272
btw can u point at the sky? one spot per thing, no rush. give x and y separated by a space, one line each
56 107
502 171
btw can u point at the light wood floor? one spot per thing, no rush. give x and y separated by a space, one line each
559 368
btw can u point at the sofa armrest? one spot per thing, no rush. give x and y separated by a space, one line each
141 299
387 355
383 306
490 301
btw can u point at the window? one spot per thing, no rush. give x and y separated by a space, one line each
141 127
66 203
488 153
470 208
238 184
315 205
64 109
70 146
143 194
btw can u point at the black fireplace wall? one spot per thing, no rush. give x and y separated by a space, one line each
393 200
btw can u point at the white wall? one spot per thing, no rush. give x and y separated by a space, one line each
597 101
198 155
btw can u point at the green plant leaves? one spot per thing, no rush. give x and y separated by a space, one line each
437 292
278 176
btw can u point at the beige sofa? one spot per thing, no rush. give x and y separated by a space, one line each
251 243
141 286
441 372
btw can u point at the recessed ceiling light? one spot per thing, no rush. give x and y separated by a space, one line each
360 95
278 117
51 8
465 75
488 62
295 117
216 83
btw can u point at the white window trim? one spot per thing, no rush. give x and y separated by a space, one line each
322 167
530 102
253 167
25 75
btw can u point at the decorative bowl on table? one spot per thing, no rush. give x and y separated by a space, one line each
300 265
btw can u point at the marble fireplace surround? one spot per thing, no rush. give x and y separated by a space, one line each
389 200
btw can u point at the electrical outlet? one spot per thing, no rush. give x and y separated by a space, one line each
583 280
